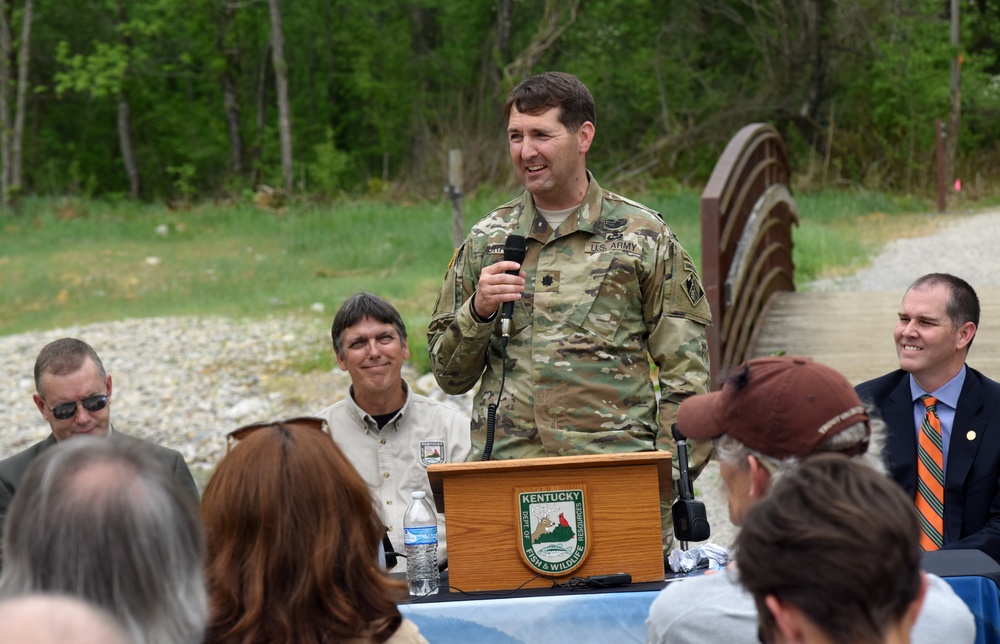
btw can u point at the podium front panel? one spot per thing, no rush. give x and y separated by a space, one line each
485 529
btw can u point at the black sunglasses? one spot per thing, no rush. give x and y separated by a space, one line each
311 422
91 404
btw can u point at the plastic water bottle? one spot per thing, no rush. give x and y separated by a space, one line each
420 536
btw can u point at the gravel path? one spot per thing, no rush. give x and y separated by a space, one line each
185 382
966 245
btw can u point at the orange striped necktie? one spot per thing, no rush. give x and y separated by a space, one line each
930 478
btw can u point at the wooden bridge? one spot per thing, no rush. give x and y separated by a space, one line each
747 213
852 332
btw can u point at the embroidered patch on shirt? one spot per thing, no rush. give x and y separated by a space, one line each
613 228
549 282
431 452
692 286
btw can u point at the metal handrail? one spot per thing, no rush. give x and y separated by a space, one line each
747 211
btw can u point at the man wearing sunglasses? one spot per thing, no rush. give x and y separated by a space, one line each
73 394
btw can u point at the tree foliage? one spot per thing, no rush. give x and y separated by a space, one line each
380 90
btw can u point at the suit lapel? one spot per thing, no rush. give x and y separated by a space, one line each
901 441
961 449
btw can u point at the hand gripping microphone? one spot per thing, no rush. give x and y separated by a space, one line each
514 250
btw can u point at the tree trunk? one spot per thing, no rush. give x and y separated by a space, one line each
125 117
232 106
127 147
814 15
505 21
281 85
24 57
257 151
955 109
5 129
230 97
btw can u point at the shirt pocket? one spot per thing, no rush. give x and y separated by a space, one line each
610 299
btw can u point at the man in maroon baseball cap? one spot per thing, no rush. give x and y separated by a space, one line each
774 409
769 415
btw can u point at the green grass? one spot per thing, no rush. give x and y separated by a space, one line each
839 231
72 262
68 262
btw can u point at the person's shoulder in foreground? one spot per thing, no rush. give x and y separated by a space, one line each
705 608
13 467
57 619
714 607
172 459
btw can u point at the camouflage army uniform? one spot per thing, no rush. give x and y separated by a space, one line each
612 286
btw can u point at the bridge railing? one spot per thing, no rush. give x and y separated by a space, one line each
747 212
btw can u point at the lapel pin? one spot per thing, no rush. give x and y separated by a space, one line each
971 435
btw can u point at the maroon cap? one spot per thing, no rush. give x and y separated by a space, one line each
779 406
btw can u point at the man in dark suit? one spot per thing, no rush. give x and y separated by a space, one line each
937 323
73 393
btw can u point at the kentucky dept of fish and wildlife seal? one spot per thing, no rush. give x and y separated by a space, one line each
553 529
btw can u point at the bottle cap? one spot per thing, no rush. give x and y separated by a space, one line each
418 494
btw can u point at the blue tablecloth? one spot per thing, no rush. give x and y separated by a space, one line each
983 599
617 617
599 617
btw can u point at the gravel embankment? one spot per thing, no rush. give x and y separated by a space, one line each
185 382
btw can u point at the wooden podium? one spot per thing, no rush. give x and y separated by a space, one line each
503 525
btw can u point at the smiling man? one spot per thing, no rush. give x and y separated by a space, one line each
604 289
943 443
73 394
389 433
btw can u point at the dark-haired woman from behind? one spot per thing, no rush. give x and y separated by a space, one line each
293 541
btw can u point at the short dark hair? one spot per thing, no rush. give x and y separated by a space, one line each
104 520
63 357
553 89
358 307
837 540
963 305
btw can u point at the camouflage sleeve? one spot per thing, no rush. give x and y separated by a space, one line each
457 342
678 313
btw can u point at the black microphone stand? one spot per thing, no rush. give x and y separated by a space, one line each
690 516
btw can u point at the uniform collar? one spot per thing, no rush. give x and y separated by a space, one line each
365 419
584 219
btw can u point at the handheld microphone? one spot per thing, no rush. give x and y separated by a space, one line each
690 516
514 250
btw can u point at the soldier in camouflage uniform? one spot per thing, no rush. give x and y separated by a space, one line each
609 287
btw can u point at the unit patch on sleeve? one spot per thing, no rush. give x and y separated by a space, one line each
692 286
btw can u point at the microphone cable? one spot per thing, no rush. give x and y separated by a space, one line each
514 250
491 409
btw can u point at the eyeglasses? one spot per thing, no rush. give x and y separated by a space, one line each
310 422
91 404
